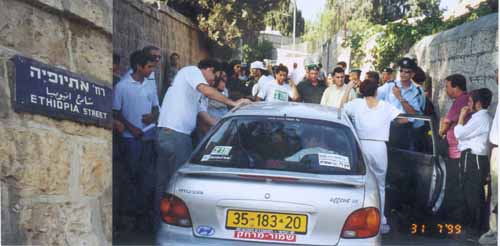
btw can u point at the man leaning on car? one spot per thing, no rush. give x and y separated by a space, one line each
174 141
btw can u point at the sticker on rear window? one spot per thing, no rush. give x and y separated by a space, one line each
205 158
221 150
333 160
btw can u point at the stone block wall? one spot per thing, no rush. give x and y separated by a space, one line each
470 49
55 175
138 24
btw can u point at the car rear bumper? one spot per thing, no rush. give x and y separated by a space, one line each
180 236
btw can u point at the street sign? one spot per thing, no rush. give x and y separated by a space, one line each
43 89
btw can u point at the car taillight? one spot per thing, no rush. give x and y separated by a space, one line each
362 223
174 211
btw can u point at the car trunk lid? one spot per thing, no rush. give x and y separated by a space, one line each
268 206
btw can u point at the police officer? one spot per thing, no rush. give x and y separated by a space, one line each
387 75
405 96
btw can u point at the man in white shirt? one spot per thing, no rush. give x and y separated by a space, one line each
178 119
136 107
154 54
257 71
263 81
490 237
333 94
277 90
474 166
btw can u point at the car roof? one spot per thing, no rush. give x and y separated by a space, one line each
290 109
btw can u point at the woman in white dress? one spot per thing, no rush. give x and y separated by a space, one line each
372 119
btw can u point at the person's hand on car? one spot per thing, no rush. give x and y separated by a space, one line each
242 102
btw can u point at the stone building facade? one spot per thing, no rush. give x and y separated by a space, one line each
142 24
55 174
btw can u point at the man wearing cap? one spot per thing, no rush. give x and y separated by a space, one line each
311 90
264 78
405 96
256 72
387 75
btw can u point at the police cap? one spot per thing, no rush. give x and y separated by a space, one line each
387 70
407 63
313 67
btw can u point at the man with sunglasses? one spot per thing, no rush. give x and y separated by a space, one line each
405 96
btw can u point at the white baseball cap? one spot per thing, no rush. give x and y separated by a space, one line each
257 64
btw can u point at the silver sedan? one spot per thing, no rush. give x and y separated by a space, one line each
284 173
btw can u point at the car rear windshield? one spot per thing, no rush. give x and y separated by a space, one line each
287 144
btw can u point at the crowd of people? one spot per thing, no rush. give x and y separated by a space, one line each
153 139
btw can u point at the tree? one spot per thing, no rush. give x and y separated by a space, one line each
390 10
225 21
281 19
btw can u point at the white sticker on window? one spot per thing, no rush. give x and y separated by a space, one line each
221 150
205 158
333 160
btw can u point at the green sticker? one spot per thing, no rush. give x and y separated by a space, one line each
221 150
280 95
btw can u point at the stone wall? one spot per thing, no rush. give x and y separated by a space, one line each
55 175
138 24
470 49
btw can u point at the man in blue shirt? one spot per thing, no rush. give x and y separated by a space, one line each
136 106
405 96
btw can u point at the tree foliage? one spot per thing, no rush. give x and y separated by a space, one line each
385 11
392 18
281 19
226 21
399 37
258 51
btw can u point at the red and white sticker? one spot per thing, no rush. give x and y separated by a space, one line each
266 236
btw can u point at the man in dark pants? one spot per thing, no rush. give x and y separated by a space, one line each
474 165
456 89
135 105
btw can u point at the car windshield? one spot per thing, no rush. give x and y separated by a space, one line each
279 143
